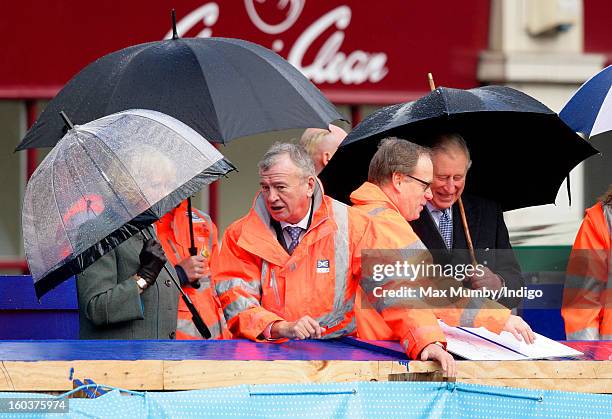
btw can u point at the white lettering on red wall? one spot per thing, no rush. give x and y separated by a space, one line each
330 65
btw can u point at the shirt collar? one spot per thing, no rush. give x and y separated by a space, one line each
436 212
302 224
432 208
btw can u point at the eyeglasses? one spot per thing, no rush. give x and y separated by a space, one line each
426 185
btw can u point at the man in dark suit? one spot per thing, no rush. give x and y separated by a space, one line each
442 231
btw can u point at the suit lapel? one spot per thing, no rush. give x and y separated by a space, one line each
426 229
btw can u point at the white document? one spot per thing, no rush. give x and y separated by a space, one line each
479 344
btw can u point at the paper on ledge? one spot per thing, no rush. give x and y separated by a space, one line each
479 344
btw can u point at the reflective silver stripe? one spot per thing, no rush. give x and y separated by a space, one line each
176 253
210 236
590 333
605 337
341 266
376 211
241 304
204 283
607 209
575 282
346 330
274 286
252 287
264 271
405 343
187 327
417 244
261 210
608 214
469 313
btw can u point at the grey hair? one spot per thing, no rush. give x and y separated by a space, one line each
298 155
394 155
445 142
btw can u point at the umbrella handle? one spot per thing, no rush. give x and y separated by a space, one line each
192 249
468 236
432 85
195 315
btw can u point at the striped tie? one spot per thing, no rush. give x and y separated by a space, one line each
446 228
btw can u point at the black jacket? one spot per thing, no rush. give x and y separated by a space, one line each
489 237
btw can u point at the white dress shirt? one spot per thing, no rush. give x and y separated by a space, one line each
302 224
436 213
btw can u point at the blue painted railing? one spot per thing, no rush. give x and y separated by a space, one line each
22 316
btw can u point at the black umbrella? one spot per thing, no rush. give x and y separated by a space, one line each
221 87
521 150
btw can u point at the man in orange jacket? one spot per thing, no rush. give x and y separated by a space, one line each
193 271
587 296
291 267
397 190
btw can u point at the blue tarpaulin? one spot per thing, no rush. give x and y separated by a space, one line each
339 400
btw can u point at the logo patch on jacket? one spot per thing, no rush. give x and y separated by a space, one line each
322 266
194 217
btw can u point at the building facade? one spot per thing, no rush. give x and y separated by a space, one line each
362 55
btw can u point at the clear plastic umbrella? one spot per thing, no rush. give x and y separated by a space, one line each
103 182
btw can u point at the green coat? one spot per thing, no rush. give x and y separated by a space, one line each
110 306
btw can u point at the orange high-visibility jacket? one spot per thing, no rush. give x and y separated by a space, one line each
258 282
587 296
173 234
387 218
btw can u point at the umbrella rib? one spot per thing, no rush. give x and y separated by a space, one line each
286 76
181 135
108 180
55 198
195 57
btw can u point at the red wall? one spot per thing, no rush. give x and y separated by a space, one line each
399 41
597 23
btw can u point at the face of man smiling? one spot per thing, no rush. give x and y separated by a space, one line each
450 169
287 192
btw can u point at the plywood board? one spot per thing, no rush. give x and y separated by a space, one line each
182 375
58 375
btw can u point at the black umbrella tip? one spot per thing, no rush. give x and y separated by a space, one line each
67 121
174 32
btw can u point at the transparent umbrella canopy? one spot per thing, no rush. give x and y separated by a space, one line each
105 181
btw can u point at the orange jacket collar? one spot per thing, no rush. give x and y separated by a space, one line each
259 238
371 195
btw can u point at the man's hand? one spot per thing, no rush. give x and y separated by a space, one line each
304 328
194 267
436 353
488 279
520 329
152 260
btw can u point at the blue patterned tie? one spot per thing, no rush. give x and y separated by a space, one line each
446 228
294 233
